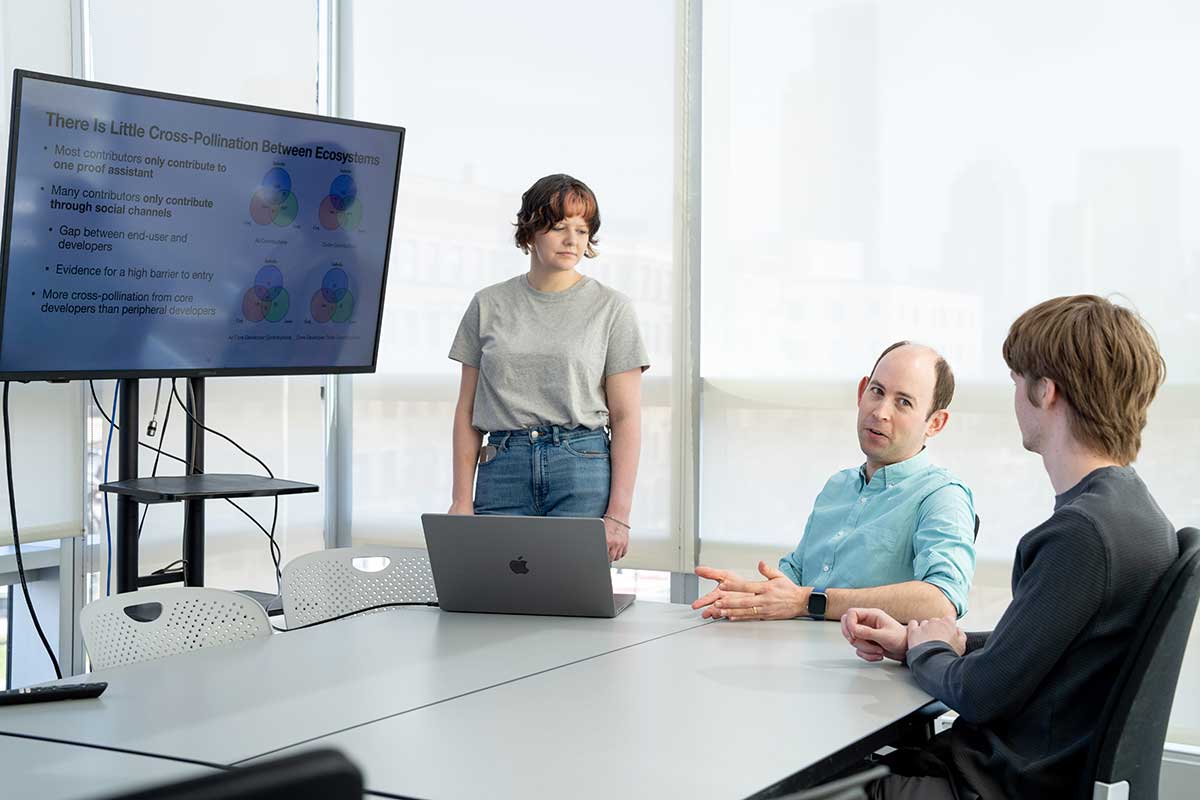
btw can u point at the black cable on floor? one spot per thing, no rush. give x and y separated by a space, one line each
12 507
162 439
431 604
276 552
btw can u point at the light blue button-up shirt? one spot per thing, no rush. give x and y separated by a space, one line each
913 521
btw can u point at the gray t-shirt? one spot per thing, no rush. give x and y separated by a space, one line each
543 356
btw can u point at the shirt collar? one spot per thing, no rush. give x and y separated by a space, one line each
894 473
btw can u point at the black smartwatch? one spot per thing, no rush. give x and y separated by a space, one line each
817 601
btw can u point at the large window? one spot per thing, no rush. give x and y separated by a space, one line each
520 92
877 171
268 58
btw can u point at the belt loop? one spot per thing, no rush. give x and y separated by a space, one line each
555 429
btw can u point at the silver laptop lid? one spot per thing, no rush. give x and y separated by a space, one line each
521 565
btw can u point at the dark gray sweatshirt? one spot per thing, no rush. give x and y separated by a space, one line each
1029 692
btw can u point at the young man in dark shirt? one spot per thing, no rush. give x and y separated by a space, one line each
1028 693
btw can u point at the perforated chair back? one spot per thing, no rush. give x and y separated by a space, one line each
1126 757
153 623
331 583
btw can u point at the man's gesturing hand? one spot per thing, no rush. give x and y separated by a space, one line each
738 599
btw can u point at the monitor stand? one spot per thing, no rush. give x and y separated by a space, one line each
192 490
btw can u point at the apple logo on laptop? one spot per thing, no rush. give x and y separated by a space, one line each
518 566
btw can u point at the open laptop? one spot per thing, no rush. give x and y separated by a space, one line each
556 566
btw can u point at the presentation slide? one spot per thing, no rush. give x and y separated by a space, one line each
160 235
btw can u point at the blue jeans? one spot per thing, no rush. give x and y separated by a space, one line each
545 472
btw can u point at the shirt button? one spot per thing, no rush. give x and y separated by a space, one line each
825 568
840 534
533 434
862 500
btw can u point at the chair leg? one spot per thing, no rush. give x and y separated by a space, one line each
922 726
1110 791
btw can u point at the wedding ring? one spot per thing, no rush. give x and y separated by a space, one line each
756 611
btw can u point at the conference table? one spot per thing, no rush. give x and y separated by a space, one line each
38 768
433 704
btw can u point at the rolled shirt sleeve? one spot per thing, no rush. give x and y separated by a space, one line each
912 521
944 543
790 565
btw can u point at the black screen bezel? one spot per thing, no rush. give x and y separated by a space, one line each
19 76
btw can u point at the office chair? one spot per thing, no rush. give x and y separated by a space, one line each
976 536
330 583
152 623
1126 757
850 788
315 775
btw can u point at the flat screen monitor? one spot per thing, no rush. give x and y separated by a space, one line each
154 235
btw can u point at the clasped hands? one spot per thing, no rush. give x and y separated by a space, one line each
736 598
876 636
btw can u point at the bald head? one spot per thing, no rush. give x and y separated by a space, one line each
921 370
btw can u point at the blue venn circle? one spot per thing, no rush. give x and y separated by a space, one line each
335 284
342 192
268 282
276 185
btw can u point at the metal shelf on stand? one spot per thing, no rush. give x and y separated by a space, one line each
191 490
173 489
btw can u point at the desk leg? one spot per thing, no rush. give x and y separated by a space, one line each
685 587
72 596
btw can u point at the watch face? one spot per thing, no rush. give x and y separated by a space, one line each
816 605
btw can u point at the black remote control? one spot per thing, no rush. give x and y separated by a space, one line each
41 694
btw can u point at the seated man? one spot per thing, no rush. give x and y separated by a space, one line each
1029 693
896 533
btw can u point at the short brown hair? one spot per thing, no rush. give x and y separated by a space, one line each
943 382
551 200
1103 361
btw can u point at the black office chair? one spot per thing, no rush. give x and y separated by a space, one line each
849 788
322 774
1126 757
976 537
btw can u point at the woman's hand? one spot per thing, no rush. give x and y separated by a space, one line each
616 536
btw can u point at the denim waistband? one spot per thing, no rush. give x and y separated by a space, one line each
552 433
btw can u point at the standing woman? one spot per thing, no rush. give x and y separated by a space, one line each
550 359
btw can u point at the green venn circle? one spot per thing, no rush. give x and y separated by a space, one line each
287 211
344 308
350 218
279 306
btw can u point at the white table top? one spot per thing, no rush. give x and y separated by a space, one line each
721 711
51 770
226 704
